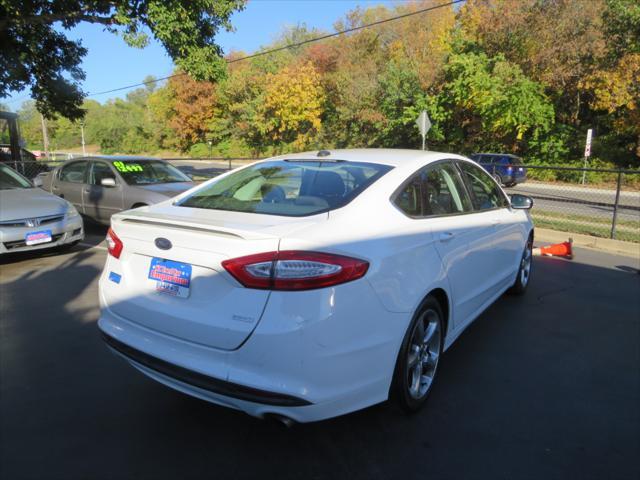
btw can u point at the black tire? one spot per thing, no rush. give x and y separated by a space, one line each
524 271
403 389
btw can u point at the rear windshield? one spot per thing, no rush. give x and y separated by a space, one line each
147 172
288 187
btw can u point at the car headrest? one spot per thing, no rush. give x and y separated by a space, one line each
327 184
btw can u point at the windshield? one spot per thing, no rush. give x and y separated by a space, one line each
147 172
288 187
10 179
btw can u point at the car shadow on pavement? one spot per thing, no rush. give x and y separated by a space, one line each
540 386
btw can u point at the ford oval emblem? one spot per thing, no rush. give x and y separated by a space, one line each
163 243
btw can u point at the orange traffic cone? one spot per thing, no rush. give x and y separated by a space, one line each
558 250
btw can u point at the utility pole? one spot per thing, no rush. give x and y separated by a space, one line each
45 136
84 153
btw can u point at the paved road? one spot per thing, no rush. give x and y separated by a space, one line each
544 386
577 200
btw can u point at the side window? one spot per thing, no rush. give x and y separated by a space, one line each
486 195
409 200
435 190
99 171
443 191
74 172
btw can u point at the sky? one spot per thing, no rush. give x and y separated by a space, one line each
110 63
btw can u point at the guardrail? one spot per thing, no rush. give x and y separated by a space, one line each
610 209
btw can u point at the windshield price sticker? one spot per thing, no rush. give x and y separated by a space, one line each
34 238
127 167
172 278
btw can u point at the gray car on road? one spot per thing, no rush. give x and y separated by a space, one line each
31 219
101 186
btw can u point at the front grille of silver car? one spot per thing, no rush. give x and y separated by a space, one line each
22 243
53 219
32 222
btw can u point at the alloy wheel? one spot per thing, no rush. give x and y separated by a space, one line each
525 265
423 354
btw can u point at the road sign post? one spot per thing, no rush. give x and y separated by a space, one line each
587 153
424 124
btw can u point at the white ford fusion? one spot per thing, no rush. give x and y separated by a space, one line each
311 285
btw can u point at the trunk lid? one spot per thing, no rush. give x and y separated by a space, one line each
217 311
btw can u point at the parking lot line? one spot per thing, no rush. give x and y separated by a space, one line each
99 247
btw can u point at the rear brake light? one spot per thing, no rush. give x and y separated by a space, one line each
114 244
294 270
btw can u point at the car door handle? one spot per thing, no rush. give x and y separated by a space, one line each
87 190
446 236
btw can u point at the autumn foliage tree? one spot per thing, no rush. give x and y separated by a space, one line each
194 107
521 76
292 106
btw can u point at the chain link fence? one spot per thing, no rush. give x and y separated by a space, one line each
606 205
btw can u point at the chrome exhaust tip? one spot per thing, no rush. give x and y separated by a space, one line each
280 419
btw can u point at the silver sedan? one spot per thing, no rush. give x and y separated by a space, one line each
31 219
101 186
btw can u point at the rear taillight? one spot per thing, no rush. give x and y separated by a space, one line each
294 270
114 244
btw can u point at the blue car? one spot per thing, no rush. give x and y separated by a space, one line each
507 169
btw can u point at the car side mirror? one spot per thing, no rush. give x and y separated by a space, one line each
37 181
521 202
108 182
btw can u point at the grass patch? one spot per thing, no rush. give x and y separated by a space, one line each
571 218
591 227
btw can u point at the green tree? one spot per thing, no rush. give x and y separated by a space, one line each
492 104
34 54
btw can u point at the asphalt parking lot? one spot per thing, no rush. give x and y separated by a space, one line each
542 386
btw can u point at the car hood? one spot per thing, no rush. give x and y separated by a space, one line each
29 203
168 189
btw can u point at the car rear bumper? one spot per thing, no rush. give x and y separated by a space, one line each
200 381
12 239
298 363
518 179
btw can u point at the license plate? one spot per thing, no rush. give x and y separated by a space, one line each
170 278
35 238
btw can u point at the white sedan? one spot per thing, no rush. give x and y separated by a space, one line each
311 285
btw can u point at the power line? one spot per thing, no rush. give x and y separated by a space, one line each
294 45
289 46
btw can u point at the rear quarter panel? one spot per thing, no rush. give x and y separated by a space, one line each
404 265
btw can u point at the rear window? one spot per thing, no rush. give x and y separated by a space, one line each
291 188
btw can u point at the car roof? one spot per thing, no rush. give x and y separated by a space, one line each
382 156
511 155
121 158
113 158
